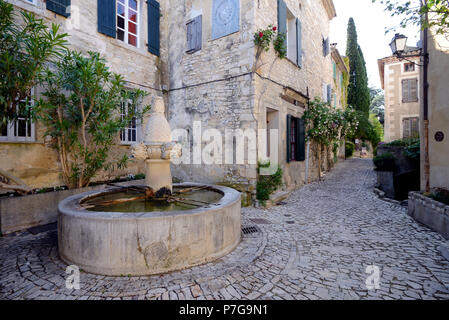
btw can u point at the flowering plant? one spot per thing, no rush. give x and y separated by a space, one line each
263 39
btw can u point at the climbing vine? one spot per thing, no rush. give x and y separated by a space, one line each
326 126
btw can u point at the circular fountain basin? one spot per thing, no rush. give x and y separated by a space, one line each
145 243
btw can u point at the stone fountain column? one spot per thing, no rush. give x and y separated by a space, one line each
155 151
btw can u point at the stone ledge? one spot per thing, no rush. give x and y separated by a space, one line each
429 212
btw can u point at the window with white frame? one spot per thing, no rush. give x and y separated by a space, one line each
291 37
131 134
128 21
21 129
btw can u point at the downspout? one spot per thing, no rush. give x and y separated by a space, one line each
426 104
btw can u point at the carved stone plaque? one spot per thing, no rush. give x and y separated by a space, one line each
225 17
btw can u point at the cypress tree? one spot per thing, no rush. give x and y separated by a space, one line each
358 91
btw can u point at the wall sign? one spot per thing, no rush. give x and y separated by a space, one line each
225 17
439 136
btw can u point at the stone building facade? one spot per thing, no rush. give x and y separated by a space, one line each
212 78
400 80
226 84
438 79
30 157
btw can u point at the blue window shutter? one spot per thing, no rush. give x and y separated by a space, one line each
154 14
301 140
199 32
282 18
59 7
329 93
299 41
289 132
107 18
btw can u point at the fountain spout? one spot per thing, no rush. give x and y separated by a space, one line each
155 150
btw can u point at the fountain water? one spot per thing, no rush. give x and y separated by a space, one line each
156 228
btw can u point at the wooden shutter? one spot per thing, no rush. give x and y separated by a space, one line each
154 14
329 94
107 18
414 127
326 48
405 90
299 42
282 19
59 7
413 85
300 140
190 34
406 128
289 132
198 32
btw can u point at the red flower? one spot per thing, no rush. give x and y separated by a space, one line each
274 28
261 34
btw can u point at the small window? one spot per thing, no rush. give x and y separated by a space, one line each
194 34
326 47
21 129
128 21
409 67
130 134
410 127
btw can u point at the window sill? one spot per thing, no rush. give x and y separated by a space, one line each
292 62
21 142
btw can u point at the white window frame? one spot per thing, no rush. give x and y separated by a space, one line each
11 129
125 3
33 2
137 129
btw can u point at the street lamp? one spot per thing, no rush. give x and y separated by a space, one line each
398 44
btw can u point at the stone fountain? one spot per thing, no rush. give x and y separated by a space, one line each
151 229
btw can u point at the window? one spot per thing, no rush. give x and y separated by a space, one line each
409 67
32 1
327 93
326 47
410 127
291 37
131 134
295 139
19 130
291 26
410 90
194 34
127 21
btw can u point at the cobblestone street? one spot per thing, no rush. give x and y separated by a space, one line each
315 246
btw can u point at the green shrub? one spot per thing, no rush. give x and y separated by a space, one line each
413 151
349 149
385 162
266 185
441 195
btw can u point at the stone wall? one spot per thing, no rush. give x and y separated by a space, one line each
36 162
213 85
438 111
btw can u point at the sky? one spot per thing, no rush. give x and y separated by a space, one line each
370 21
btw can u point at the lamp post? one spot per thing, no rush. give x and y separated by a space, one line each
398 46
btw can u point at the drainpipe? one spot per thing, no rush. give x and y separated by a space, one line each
307 163
426 106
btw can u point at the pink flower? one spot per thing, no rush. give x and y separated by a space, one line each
274 28
261 34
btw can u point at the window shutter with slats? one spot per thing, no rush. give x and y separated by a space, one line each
329 93
282 19
198 32
300 140
289 132
413 90
59 7
107 18
154 14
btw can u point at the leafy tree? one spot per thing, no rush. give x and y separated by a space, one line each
82 114
25 49
358 92
377 105
414 11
